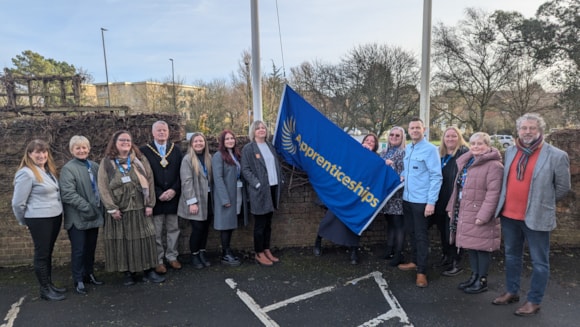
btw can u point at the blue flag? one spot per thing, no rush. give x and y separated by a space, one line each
353 182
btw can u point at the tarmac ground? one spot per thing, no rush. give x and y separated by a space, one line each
301 290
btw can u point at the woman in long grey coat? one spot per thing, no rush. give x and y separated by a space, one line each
262 173
228 193
195 203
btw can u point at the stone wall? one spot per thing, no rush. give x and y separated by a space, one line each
295 224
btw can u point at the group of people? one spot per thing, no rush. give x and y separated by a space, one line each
474 197
137 194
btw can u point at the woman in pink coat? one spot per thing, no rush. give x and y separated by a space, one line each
471 208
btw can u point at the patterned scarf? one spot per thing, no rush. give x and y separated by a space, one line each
526 153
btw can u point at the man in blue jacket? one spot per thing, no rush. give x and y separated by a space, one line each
422 177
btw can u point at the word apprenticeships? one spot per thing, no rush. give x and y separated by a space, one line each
336 172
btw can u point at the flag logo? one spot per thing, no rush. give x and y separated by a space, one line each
288 129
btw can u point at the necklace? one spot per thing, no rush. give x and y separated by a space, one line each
163 161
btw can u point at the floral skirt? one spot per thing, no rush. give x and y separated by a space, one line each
129 242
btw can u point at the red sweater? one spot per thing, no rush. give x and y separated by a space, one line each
516 197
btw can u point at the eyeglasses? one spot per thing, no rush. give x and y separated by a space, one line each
395 135
529 128
124 140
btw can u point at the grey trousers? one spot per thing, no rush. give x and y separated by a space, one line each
170 222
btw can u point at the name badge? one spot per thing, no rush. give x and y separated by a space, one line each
239 184
126 179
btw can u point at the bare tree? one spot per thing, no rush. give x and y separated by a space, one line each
472 61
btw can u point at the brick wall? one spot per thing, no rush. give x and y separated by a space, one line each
294 225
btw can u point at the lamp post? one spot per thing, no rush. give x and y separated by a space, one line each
173 80
106 71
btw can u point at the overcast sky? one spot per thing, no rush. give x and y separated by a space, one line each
206 38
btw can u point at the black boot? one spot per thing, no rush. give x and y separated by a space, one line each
354 255
389 254
318 246
453 270
229 259
479 286
203 259
46 293
396 260
151 276
129 278
91 278
80 288
469 282
445 261
196 261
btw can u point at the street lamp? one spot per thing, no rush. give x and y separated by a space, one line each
106 71
173 79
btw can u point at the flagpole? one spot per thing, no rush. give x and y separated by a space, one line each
256 74
425 67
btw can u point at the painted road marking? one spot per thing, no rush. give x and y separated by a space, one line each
395 311
12 313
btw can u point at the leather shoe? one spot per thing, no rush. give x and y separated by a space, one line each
270 256
160 269
407 266
129 279
528 309
175 264
263 260
80 288
506 298
421 281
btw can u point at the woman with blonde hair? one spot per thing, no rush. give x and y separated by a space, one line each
83 211
393 155
195 203
452 147
36 203
262 173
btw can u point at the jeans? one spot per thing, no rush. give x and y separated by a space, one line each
416 225
83 245
515 232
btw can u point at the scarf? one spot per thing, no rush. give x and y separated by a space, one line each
526 153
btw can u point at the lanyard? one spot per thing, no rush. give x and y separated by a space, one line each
121 169
445 160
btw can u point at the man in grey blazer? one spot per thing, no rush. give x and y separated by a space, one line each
536 175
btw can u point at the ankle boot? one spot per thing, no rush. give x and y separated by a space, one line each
479 286
196 261
469 282
396 260
46 293
129 278
354 255
318 247
93 280
389 254
229 259
453 270
203 258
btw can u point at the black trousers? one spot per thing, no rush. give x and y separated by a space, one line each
83 246
44 232
416 225
262 231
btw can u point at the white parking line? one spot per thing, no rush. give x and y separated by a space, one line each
12 313
395 311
